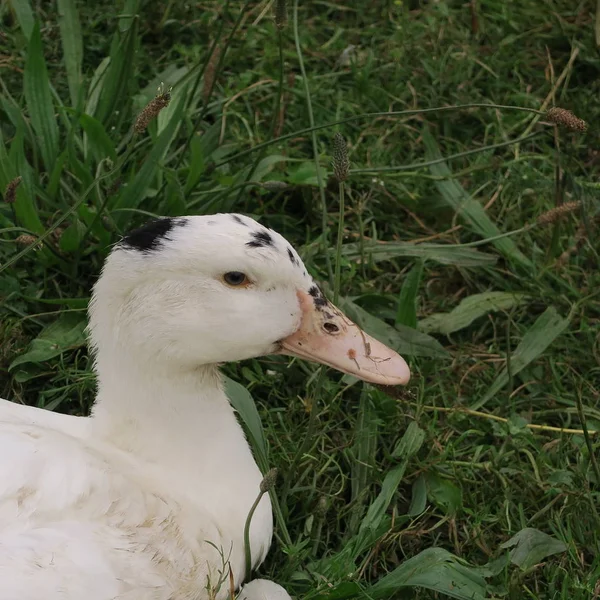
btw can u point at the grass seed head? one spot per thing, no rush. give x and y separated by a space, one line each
553 215
210 73
341 164
268 481
26 240
565 118
281 14
151 111
10 194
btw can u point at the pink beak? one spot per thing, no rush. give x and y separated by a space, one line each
327 336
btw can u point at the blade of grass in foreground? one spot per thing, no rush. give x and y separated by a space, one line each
39 99
548 326
24 15
70 32
445 254
469 209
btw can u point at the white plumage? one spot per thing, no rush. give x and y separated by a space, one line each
147 498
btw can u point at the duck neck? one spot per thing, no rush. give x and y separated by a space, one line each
181 419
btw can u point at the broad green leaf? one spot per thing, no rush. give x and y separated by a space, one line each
531 546
114 94
445 254
72 43
470 309
444 493
405 340
243 403
419 497
96 86
306 174
407 302
24 16
66 333
548 326
38 96
408 446
72 236
470 210
24 206
434 569
96 139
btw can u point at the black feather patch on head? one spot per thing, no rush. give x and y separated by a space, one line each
260 239
292 258
239 220
148 238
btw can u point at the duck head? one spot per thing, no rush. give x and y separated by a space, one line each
191 291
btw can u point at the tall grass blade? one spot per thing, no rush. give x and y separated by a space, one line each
24 16
136 190
72 43
25 209
38 97
471 308
405 340
469 209
440 253
547 327
407 303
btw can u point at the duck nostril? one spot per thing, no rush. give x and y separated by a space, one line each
331 328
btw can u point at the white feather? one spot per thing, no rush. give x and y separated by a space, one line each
147 498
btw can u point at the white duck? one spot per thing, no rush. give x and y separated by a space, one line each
147 498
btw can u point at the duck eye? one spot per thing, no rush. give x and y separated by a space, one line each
236 278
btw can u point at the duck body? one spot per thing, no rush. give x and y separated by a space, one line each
148 497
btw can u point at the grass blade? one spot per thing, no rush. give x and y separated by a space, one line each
440 253
469 209
407 303
24 16
136 190
243 403
72 43
548 326
39 99
435 569
470 308
405 340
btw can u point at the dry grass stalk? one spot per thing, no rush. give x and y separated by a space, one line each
565 118
341 164
553 215
10 195
151 111
210 74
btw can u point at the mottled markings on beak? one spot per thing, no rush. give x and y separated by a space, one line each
239 220
150 237
260 239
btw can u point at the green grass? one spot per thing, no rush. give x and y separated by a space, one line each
376 491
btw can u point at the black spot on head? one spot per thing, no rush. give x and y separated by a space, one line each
260 239
148 238
330 327
293 259
239 220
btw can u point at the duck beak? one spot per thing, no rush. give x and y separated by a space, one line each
327 336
